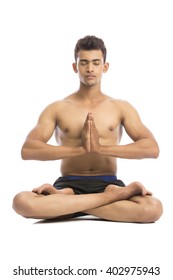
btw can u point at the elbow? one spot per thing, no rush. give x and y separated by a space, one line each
24 153
151 150
27 151
154 151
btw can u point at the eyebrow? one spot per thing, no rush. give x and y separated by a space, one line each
86 60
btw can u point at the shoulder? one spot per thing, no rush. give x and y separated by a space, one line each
55 109
57 105
119 102
123 105
125 109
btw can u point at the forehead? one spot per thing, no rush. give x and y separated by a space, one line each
90 55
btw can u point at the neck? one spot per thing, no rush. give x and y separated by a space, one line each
89 93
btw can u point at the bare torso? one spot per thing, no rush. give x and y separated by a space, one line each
71 115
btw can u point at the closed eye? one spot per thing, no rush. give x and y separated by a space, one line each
83 62
94 61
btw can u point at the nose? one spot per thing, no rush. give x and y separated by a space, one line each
90 67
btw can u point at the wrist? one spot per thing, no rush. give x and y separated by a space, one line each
81 150
104 150
99 150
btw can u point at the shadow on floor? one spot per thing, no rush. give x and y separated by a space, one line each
70 218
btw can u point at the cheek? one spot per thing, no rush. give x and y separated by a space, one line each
99 70
81 77
99 73
81 73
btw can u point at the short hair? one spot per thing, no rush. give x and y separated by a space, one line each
88 43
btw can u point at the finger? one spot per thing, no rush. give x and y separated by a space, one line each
93 126
90 116
36 189
89 125
86 123
149 193
146 192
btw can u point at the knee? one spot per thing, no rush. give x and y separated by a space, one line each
153 210
22 204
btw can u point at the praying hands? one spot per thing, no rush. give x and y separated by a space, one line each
90 136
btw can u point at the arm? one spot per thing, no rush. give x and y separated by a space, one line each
36 147
143 148
144 144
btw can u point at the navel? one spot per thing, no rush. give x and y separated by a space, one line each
90 169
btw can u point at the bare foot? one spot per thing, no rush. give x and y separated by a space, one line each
136 188
47 189
127 192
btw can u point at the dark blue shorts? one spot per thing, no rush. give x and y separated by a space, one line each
87 184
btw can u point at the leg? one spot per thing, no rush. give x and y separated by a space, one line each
139 209
33 205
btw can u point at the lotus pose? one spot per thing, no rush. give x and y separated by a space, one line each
88 127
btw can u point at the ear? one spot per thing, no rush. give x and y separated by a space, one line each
105 67
74 65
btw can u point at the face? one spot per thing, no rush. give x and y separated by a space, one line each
90 67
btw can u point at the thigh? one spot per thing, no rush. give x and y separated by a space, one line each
140 209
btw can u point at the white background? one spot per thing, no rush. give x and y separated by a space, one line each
36 54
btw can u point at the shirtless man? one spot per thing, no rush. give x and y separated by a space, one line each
88 126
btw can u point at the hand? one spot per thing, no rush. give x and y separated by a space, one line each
86 134
90 136
94 136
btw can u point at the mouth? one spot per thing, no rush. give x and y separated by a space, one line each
90 77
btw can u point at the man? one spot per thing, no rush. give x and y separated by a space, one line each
88 126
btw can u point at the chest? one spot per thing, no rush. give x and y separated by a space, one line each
71 121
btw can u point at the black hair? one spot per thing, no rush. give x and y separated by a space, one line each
90 43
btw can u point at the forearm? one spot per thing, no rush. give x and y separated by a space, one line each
38 150
144 148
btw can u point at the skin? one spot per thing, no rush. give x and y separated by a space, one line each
88 126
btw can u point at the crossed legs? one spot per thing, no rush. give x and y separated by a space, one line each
130 204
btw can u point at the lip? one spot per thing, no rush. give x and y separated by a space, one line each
90 76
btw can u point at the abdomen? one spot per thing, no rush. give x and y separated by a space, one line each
90 164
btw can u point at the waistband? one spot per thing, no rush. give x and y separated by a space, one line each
107 178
